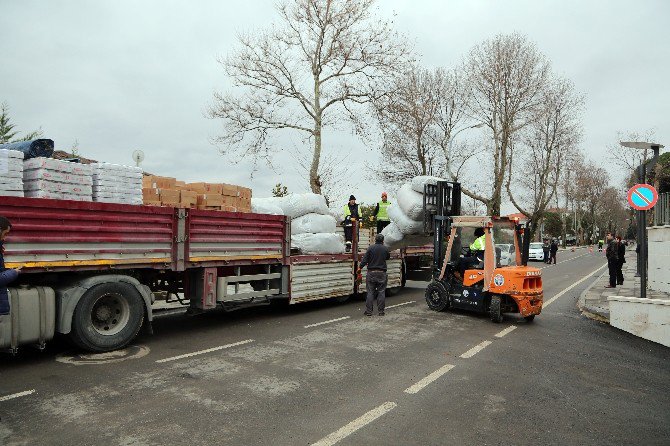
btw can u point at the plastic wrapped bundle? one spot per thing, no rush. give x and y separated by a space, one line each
322 243
313 224
32 149
11 173
297 205
411 202
265 206
419 182
405 225
57 179
114 183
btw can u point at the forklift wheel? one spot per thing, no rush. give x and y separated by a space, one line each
496 309
437 296
529 318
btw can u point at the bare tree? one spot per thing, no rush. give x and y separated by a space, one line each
630 159
591 181
308 72
406 119
505 77
541 156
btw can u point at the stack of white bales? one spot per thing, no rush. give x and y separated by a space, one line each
56 179
11 173
313 228
113 183
406 215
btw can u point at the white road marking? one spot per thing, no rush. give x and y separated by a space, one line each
565 261
506 331
202 352
476 349
550 301
355 425
400 305
17 395
328 322
416 388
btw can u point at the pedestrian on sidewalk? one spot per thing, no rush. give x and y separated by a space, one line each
545 250
553 249
621 253
612 254
7 275
375 259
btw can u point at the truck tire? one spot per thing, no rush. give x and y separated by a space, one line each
107 317
437 296
495 310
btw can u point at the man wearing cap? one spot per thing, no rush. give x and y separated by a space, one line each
381 213
375 259
351 217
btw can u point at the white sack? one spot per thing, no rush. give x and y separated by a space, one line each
392 235
313 223
419 182
11 193
318 243
297 205
265 206
411 202
405 224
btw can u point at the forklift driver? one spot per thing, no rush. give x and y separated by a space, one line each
476 258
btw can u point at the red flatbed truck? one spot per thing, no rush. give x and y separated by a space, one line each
98 267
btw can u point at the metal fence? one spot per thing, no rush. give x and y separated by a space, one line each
662 210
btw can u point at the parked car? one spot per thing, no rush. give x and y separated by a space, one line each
535 252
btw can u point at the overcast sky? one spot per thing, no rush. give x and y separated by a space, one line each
120 75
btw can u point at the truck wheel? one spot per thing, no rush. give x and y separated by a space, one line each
495 311
108 316
437 296
530 318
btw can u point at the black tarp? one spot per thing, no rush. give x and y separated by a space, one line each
32 149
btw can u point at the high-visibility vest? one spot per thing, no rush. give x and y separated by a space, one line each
347 211
479 244
383 214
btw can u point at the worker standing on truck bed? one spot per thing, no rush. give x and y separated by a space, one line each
351 218
375 259
7 276
381 213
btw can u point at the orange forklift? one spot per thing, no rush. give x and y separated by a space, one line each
484 283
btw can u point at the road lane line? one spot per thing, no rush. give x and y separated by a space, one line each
17 395
551 301
202 352
416 388
327 322
506 331
565 261
400 305
355 425
476 349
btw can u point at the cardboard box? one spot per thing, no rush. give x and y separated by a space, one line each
200 188
156 182
152 203
209 208
230 209
180 185
150 194
209 200
169 197
188 198
229 190
244 192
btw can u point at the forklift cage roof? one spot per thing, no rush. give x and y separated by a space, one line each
481 222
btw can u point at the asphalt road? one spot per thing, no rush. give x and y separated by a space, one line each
323 373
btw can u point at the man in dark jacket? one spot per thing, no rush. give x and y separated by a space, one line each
553 249
545 250
612 254
351 218
621 260
375 259
7 276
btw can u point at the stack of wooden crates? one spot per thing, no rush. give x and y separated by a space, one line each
166 191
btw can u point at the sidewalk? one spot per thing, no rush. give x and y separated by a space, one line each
593 301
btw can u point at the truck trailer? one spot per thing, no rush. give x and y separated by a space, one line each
93 271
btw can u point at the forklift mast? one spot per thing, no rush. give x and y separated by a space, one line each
441 201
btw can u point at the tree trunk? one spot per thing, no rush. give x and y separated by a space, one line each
314 180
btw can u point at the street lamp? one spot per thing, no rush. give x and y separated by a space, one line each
642 258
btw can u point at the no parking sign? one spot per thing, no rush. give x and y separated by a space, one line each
642 197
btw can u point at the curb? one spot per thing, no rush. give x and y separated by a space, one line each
592 312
